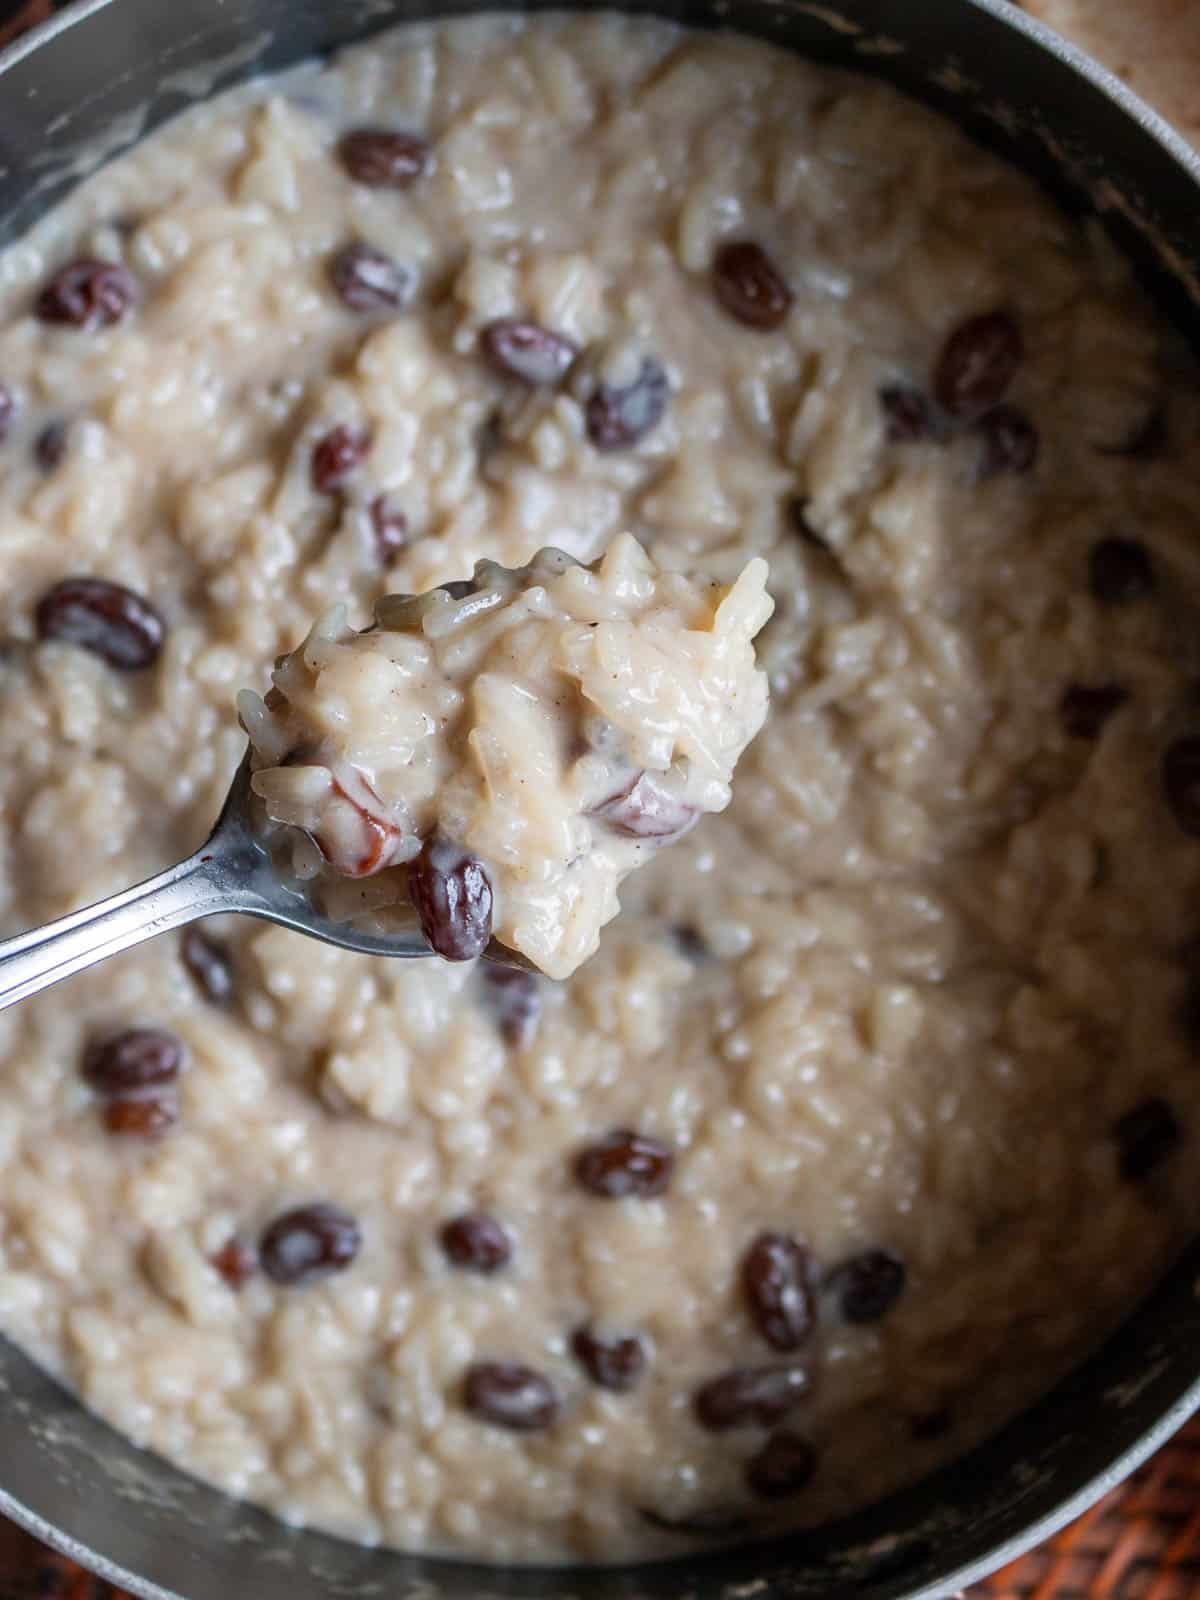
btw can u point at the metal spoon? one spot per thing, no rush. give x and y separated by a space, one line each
230 872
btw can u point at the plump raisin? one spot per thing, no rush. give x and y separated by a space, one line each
625 1165
308 1244
1145 1136
749 286
236 1261
109 620
335 457
452 894
515 1000
390 527
476 1242
1181 783
785 1465
50 446
745 1396
510 1395
1144 442
135 1059
618 417
88 294
522 349
367 280
615 1362
867 1286
643 809
141 1116
907 413
210 964
1085 708
977 363
8 410
1120 571
1009 442
776 1278
384 158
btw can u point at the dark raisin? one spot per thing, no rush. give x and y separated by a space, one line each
1010 442
390 526
367 280
720 1522
383 158
105 618
757 1396
616 1362
617 418
1145 1136
141 1116
625 1165
1181 783
88 294
210 964
784 1466
452 894
1119 571
510 1395
8 410
477 1242
776 1281
1085 708
336 456
515 1000
933 1424
236 1261
135 1059
908 414
749 285
309 1243
977 363
643 809
50 446
797 513
526 350
1148 440
867 1286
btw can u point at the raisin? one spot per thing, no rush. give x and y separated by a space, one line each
8 410
308 1244
367 280
1119 571
612 1363
867 1285
336 456
510 1395
515 1000
452 894
776 1282
977 363
758 1396
525 350
236 1261
617 418
88 294
645 810
1181 783
749 286
135 1059
907 412
109 620
625 1165
1086 708
1010 442
784 1466
476 1242
210 964
1144 1136
384 158
50 446
141 1116
390 526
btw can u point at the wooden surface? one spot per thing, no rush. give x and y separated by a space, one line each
1142 1542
